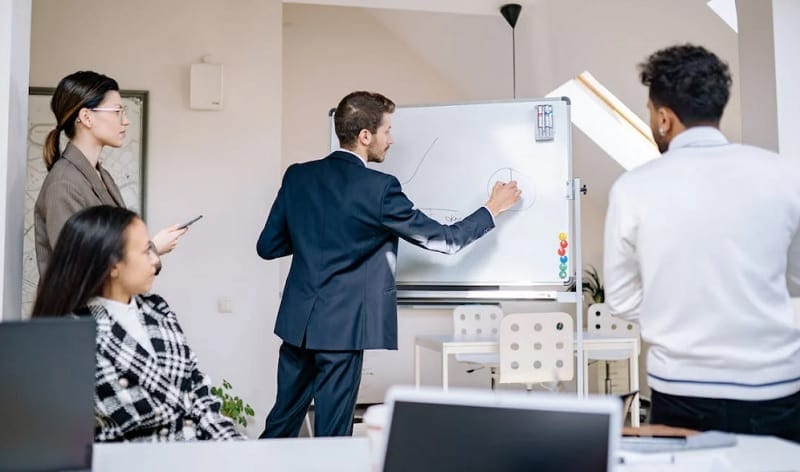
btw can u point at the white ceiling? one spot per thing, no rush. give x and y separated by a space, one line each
472 7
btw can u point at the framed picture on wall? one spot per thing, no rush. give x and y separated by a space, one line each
126 164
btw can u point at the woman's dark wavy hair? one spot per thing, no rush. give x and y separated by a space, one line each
90 244
690 80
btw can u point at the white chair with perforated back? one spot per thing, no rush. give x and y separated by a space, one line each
600 324
536 348
478 322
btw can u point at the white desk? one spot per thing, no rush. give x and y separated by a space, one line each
448 345
269 455
752 453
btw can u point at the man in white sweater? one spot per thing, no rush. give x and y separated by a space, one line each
702 247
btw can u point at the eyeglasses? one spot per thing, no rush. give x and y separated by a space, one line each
121 111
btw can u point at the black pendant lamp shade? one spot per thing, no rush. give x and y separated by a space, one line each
510 12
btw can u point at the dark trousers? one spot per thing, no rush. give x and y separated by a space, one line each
330 378
779 417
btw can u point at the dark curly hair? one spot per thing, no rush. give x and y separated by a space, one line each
690 80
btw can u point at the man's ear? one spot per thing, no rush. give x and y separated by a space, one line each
365 137
667 121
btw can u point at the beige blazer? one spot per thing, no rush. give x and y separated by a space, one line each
70 186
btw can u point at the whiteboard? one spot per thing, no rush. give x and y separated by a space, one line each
448 157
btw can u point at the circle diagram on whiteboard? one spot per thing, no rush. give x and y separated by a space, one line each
524 182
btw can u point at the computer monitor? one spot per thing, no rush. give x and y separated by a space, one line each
432 430
47 370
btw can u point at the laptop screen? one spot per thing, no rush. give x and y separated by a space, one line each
47 400
425 436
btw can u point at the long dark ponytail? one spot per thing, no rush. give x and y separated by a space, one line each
90 244
83 89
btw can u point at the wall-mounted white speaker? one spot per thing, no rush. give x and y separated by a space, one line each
205 87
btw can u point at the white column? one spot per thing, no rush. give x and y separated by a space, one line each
769 73
786 24
15 35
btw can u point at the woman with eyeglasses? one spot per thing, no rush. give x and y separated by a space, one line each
89 110
148 386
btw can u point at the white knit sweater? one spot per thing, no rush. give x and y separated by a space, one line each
703 247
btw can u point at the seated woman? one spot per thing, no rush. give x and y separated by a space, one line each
147 383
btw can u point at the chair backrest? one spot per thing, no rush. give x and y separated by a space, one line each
536 347
600 321
476 321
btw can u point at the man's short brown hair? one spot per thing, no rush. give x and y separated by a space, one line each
357 111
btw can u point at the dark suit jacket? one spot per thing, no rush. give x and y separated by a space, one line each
70 186
341 221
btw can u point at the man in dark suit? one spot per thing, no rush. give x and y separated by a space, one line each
341 222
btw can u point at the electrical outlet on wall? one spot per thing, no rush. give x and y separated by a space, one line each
225 305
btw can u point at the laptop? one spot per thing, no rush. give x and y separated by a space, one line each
476 430
47 368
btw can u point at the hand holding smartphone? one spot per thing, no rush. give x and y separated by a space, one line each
190 222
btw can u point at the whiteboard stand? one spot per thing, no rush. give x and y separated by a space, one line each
574 193
408 296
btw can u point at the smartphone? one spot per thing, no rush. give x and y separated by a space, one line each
190 222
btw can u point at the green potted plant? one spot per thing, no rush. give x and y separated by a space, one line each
592 286
232 406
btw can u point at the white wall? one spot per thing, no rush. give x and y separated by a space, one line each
758 90
15 21
768 40
331 51
476 7
787 74
224 165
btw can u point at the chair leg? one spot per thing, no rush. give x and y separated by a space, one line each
608 378
585 386
492 378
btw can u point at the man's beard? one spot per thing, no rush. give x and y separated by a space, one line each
663 145
373 156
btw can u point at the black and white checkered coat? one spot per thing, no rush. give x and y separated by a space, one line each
139 397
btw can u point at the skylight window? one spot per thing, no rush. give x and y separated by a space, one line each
608 122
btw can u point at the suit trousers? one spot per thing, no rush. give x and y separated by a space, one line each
330 378
779 417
